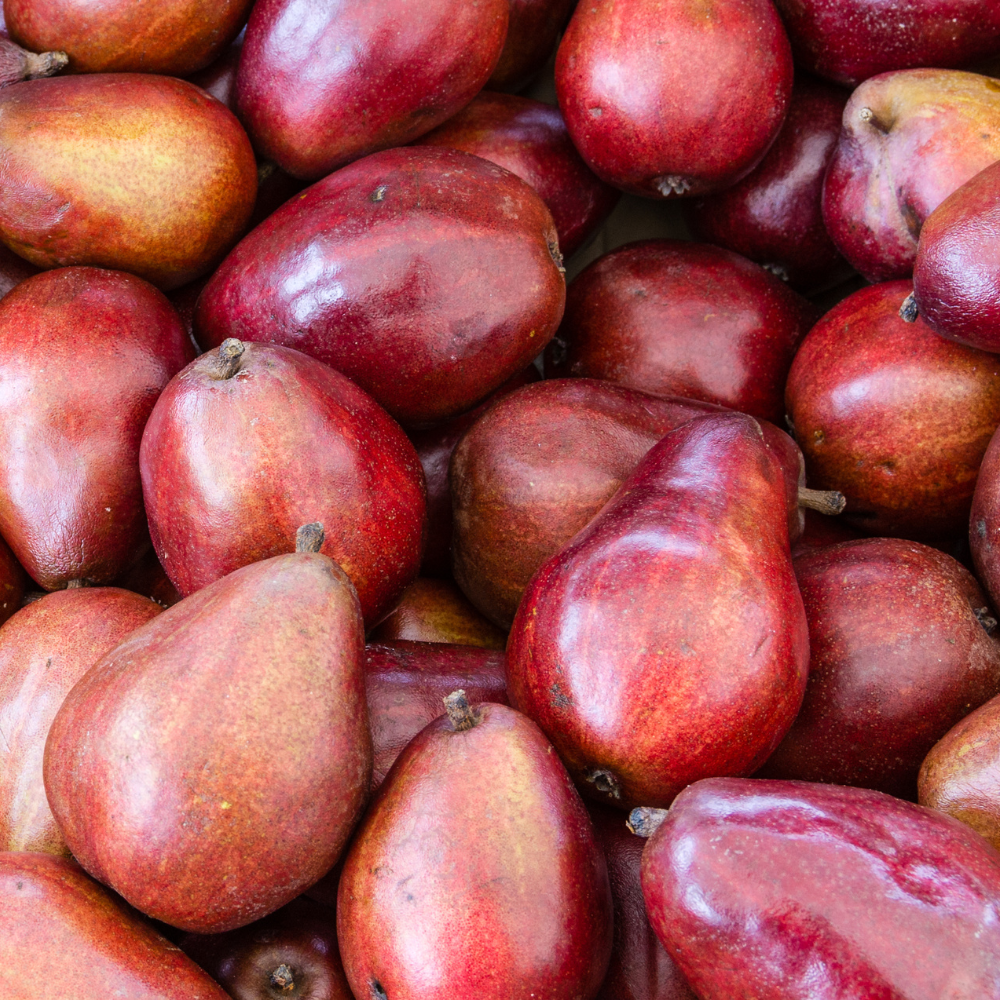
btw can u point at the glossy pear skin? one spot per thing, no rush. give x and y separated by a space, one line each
956 278
406 683
848 41
334 273
84 353
174 37
897 657
476 865
781 890
774 216
529 139
675 318
212 766
185 175
302 936
60 928
312 447
931 130
321 84
627 648
893 416
44 650
666 97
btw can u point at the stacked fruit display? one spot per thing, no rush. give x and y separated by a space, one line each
383 619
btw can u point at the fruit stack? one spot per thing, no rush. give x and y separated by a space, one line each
383 619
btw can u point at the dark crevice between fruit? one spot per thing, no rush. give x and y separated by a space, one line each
77 584
228 360
606 782
828 502
461 714
987 620
908 311
310 537
377 992
283 979
644 822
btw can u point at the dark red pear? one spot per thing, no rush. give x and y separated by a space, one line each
783 890
774 216
821 531
253 440
893 416
900 649
184 175
529 139
218 78
62 933
437 611
670 97
84 354
320 85
476 871
532 33
212 766
290 955
44 650
174 37
629 648
849 41
640 967
149 578
675 318
909 140
956 278
984 521
467 291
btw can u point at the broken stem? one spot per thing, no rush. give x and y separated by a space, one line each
828 502
645 821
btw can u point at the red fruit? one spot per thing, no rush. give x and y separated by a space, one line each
84 353
476 871
311 447
774 216
627 647
893 416
984 521
532 34
529 139
12 582
675 318
669 97
821 531
320 85
60 929
467 291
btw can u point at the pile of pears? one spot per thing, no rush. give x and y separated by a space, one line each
384 616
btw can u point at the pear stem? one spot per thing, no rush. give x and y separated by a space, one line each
39 64
460 712
310 537
229 359
283 979
870 118
644 821
605 782
76 584
908 311
828 502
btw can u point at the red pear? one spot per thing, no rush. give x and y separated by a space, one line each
782 890
628 648
529 139
675 318
893 416
292 953
532 33
669 97
774 216
311 447
900 650
44 650
185 175
61 933
467 291
475 872
909 140
821 531
212 766
84 353
984 521
320 85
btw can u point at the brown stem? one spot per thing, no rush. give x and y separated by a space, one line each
870 118
310 537
76 584
460 712
825 501
17 64
644 822
605 782
229 359
283 979
908 311
42 64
